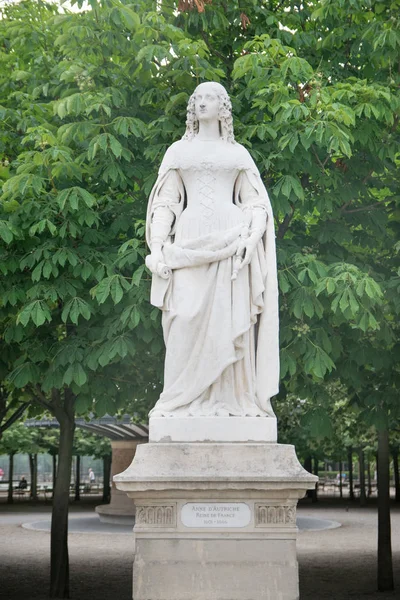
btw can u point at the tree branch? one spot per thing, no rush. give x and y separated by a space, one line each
213 50
14 417
367 176
322 165
40 397
362 208
343 208
284 226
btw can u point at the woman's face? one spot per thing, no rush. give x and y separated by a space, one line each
206 103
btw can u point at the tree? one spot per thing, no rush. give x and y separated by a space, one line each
385 565
395 454
18 440
69 299
50 442
13 403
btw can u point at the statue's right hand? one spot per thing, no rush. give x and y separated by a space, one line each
154 259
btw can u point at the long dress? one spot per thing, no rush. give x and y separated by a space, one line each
209 320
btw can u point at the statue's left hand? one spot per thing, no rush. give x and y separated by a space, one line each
246 249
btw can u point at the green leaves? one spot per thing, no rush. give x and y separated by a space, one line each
5 232
37 311
113 286
104 406
107 143
74 198
74 308
138 274
23 374
41 226
131 316
45 269
23 185
288 184
317 361
130 18
318 423
353 292
75 374
303 302
288 365
298 68
126 125
87 103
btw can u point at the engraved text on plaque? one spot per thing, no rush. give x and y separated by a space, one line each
215 514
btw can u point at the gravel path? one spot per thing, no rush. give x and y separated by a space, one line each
339 564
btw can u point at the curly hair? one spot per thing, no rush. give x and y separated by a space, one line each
224 115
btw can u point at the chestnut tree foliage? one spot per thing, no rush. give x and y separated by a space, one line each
90 100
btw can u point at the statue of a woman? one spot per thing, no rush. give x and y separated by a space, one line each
211 234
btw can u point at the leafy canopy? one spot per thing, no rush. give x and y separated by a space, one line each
89 103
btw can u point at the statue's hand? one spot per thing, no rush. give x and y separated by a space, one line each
154 259
246 249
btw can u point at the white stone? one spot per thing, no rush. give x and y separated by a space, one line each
213 429
211 232
212 466
215 569
215 514
181 557
210 229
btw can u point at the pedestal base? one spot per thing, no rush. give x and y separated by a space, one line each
215 521
117 516
121 509
215 569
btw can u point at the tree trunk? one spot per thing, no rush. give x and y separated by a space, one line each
361 459
10 498
341 479
33 469
106 478
59 561
350 461
369 477
396 473
35 472
54 473
78 478
385 566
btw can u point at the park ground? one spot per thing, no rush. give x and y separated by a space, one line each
339 564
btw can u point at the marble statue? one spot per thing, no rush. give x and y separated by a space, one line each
211 235
215 494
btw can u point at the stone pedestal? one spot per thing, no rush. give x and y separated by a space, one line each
215 521
212 429
121 508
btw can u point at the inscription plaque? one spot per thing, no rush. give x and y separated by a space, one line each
215 514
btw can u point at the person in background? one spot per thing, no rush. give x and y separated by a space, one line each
92 476
23 484
1 474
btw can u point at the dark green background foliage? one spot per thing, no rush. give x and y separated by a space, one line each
89 103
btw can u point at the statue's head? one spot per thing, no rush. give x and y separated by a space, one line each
209 101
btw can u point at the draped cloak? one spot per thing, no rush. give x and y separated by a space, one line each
213 356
